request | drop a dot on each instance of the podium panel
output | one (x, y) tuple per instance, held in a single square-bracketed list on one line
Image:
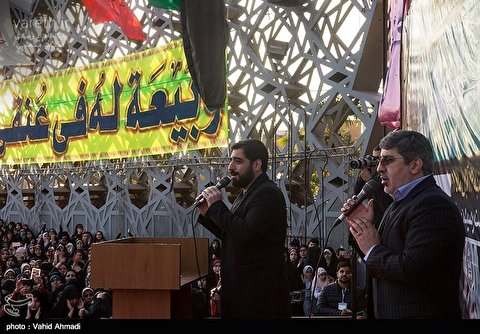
[(148, 276)]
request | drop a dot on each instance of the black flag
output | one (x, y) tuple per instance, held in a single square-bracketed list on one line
[(205, 38)]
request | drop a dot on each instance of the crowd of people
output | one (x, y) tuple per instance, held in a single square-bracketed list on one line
[(309, 271), (206, 290), (46, 275)]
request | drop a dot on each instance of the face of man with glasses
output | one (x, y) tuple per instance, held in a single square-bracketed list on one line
[(395, 171), (303, 252)]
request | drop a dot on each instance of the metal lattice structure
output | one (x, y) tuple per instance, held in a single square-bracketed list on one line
[(293, 68)]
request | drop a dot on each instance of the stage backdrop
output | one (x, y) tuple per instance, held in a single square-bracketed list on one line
[(141, 104), (442, 66)]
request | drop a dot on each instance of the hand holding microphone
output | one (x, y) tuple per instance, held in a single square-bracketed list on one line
[(372, 186), (360, 217), (220, 185)]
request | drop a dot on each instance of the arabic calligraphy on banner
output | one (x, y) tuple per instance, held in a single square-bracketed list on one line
[(141, 104)]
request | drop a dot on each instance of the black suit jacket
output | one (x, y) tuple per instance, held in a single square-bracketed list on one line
[(253, 272), (416, 268)]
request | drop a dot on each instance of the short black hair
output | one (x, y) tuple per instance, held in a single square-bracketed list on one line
[(253, 149), (410, 145), (344, 264), (295, 243)]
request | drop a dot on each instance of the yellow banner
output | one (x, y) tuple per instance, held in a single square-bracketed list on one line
[(141, 104)]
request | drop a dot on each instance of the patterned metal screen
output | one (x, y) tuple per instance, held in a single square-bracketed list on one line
[(292, 82)]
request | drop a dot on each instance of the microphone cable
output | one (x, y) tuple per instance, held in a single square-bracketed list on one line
[(195, 244)]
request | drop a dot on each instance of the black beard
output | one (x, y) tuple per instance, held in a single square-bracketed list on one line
[(244, 180)]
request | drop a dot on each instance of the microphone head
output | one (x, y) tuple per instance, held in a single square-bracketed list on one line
[(372, 186), (223, 182), (220, 185)]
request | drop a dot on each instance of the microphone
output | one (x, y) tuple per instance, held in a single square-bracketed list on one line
[(372, 186), (220, 185)]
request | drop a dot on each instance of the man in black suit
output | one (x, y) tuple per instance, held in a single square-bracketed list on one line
[(415, 256), (253, 233)]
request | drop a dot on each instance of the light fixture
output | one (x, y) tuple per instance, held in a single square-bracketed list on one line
[(277, 49), (293, 90)]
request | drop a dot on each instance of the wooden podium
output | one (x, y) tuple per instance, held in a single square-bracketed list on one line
[(149, 277)]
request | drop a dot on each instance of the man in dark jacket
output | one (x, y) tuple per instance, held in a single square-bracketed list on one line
[(336, 298), (415, 256), (253, 232)]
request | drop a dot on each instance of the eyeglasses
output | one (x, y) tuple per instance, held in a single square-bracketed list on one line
[(387, 160)]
